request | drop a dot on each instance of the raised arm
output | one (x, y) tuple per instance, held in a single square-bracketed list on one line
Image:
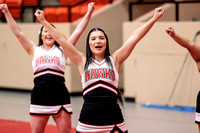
[(82, 25), (75, 56), (186, 43), (122, 54), (27, 44)]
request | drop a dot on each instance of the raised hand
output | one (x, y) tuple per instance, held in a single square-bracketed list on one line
[(91, 6), (3, 7), (170, 31), (158, 12), (40, 15)]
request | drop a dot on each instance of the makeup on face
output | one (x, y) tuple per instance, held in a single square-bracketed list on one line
[(97, 41)]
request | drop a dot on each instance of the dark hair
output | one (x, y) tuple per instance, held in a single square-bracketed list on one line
[(89, 55), (40, 40)]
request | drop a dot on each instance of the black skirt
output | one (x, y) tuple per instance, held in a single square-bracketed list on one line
[(102, 110), (50, 90)]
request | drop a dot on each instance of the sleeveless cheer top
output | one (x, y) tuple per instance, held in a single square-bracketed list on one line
[(50, 61), (100, 74)]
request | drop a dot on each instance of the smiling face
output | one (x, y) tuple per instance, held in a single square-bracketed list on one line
[(47, 38), (97, 43), (97, 46)]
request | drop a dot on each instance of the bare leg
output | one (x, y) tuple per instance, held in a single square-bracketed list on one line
[(63, 122), (38, 123)]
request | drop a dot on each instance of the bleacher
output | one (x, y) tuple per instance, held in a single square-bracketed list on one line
[(66, 11)]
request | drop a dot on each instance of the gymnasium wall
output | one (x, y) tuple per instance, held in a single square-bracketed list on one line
[(156, 64), (15, 67), (151, 70), (149, 73)]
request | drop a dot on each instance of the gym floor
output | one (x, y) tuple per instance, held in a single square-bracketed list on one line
[(15, 106)]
